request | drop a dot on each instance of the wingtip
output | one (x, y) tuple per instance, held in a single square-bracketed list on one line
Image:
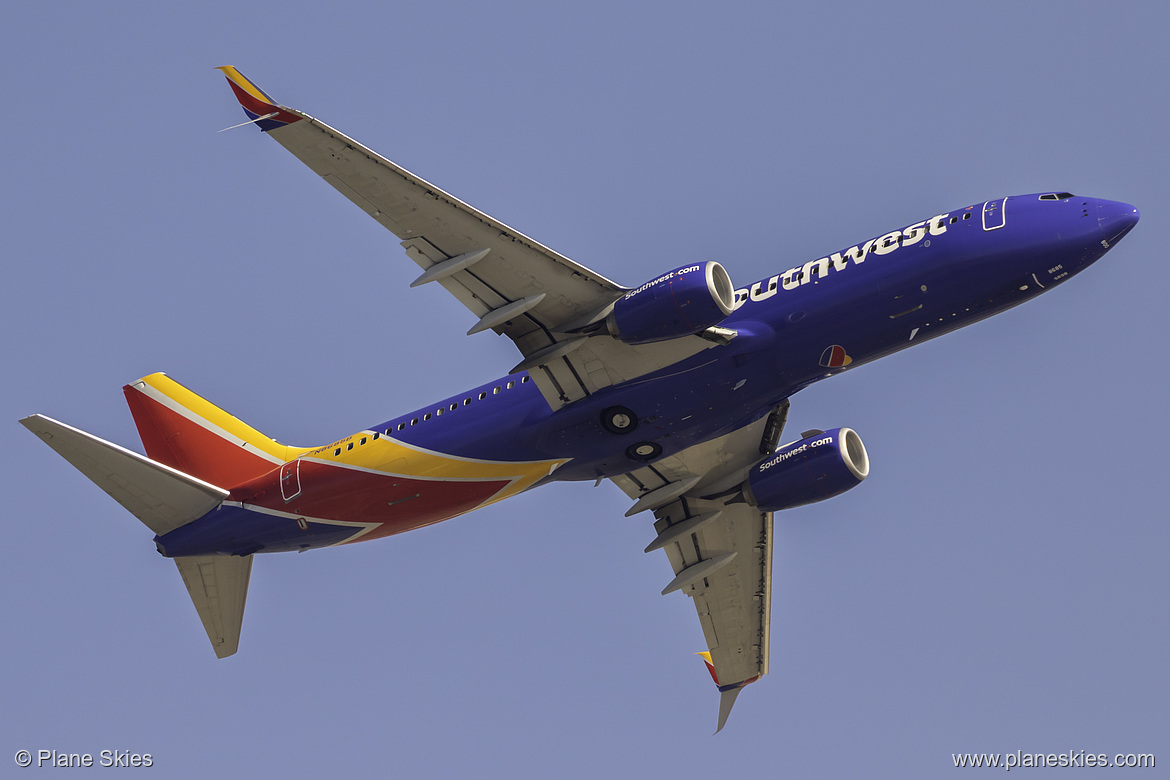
[(257, 104), (726, 702)]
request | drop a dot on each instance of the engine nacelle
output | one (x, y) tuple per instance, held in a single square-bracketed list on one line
[(808, 471), (684, 301)]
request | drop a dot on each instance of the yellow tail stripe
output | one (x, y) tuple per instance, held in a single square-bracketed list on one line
[(204, 409), (242, 82)]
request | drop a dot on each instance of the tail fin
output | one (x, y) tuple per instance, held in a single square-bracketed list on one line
[(191, 434), (164, 499)]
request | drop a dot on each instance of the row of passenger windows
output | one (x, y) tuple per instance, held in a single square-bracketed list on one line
[(437, 413)]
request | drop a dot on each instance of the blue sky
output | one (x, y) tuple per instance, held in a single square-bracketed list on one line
[(998, 584)]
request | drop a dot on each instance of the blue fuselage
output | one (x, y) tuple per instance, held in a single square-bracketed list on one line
[(799, 326)]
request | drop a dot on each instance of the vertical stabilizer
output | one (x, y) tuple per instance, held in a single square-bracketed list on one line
[(193, 435)]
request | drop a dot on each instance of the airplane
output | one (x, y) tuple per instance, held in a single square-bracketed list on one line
[(676, 390)]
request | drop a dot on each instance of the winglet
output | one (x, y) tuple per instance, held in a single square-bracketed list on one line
[(726, 702), (262, 110), (727, 693)]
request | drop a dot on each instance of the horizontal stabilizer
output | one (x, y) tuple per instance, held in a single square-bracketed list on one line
[(218, 585), (161, 497)]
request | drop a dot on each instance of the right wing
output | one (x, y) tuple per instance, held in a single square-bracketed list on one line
[(719, 546), (516, 286)]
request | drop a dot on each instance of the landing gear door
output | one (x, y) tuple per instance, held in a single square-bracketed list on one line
[(290, 480), (993, 214)]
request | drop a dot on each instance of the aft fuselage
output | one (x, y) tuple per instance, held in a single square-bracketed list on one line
[(802, 324)]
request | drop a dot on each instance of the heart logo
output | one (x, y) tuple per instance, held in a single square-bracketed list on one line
[(835, 357)]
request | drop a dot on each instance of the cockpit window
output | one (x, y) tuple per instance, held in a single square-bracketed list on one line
[(1057, 196)]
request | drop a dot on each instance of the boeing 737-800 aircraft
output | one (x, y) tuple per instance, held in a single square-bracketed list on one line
[(676, 390)]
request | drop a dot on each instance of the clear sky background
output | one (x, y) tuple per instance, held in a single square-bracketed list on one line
[(998, 584)]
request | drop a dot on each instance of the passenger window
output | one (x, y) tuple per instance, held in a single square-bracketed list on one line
[(439, 412), (511, 385), (467, 402), (525, 377), (376, 434), (363, 441), (482, 396), (414, 421), (495, 391), (454, 407), (337, 451), (967, 215), (426, 416), (349, 447)]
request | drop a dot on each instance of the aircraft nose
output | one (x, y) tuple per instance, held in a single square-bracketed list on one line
[(1116, 219)]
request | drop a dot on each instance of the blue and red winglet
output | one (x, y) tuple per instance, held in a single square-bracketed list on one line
[(261, 109)]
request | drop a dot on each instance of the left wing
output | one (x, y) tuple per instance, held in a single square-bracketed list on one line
[(515, 286), (719, 546)]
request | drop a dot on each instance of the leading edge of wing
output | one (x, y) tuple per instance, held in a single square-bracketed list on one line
[(269, 115)]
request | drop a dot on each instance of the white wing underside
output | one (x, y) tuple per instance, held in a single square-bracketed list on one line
[(723, 562), (543, 294)]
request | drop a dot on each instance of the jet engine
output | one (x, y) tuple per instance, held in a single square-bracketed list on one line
[(810, 470), (679, 303)]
